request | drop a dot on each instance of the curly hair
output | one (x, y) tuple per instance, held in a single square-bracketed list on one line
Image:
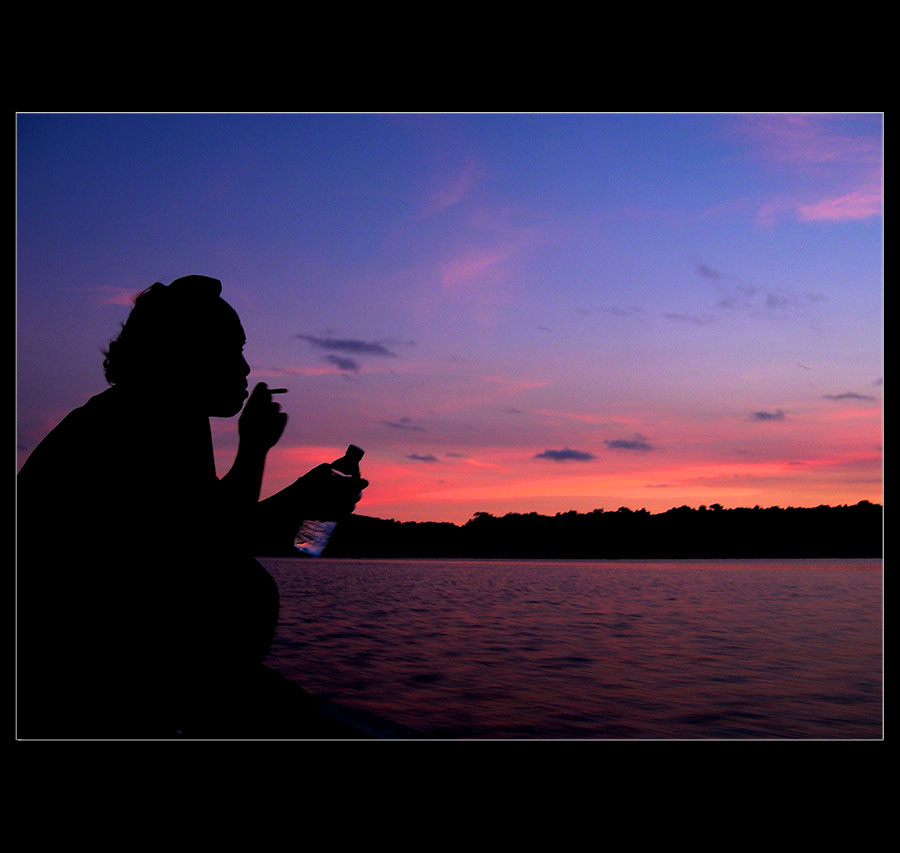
[(163, 318)]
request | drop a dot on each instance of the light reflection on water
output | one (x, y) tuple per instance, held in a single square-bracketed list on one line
[(501, 648)]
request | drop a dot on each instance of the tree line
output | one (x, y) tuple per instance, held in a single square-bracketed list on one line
[(680, 532)]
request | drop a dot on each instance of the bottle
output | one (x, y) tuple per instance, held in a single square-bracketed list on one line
[(313, 535)]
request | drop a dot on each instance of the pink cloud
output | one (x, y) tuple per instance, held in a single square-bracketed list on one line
[(473, 265), (813, 141), (453, 192), (262, 373), (860, 204), (840, 151)]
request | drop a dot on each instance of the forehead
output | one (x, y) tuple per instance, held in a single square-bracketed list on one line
[(223, 324)]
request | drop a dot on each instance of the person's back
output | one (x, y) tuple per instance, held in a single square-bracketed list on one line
[(123, 575), (78, 505)]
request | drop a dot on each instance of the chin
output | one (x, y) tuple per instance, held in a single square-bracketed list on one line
[(225, 413), (228, 408)]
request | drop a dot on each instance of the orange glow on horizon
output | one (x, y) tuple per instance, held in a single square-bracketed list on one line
[(499, 480)]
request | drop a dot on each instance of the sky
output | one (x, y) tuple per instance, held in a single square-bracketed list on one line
[(535, 312)]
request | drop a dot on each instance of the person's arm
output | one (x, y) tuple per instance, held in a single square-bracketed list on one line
[(259, 428), (317, 494)]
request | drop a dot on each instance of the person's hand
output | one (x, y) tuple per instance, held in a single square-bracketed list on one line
[(328, 496), (262, 422), (318, 494)]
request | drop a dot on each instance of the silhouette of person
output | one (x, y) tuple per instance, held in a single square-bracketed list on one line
[(141, 610)]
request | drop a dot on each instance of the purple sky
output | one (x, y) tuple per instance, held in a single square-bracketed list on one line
[(509, 312)]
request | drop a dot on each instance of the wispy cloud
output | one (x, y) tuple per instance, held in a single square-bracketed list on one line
[(841, 152), (454, 190), (849, 395), (639, 442), (693, 319), (736, 295), (473, 265), (351, 345), (263, 371), (565, 455), (777, 415), (708, 272), (404, 423), (859, 204), (422, 457), (811, 142), (618, 311), (342, 363)]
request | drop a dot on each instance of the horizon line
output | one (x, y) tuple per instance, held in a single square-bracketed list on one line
[(601, 510)]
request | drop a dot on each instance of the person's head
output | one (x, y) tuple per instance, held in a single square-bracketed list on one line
[(182, 333)]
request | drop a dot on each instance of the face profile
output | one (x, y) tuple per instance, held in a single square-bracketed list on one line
[(217, 368)]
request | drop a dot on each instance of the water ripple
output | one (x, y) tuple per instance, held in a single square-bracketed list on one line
[(506, 649)]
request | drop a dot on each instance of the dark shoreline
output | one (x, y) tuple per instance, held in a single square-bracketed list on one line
[(849, 531)]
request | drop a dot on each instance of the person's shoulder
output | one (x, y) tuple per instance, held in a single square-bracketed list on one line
[(72, 436), (86, 417)]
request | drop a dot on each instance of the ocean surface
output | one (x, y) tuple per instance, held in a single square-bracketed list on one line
[(503, 649)]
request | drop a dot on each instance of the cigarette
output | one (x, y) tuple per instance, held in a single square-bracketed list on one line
[(278, 390)]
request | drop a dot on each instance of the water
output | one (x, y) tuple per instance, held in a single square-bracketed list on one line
[(606, 650)]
